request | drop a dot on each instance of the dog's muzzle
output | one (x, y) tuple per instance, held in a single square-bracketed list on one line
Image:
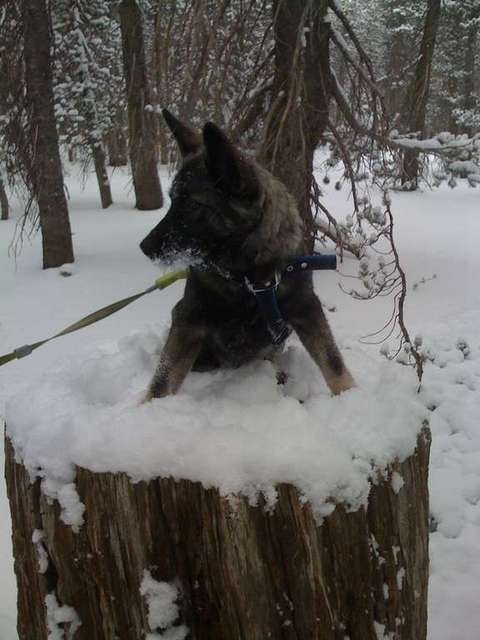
[(147, 248)]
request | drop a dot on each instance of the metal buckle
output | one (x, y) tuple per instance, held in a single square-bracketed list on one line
[(265, 286)]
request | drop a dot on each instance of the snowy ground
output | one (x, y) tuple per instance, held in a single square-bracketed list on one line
[(437, 233)]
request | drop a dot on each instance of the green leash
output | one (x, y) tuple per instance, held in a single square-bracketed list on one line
[(160, 283)]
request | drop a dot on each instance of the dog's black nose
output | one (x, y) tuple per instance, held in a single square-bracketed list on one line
[(147, 248)]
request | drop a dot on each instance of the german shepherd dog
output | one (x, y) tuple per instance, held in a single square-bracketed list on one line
[(240, 222)]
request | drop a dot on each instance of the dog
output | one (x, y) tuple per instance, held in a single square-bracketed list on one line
[(242, 225)]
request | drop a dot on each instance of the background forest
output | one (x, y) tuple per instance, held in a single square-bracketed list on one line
[(379, 81)]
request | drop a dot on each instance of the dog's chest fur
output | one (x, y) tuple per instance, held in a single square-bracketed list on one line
[(236, 330)]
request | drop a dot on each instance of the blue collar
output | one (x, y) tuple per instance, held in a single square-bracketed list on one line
[(266, 292)]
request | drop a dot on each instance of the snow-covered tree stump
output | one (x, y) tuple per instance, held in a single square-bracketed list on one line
[(177, 560)]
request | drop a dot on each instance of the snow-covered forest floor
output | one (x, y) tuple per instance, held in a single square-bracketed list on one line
[(437, 233)]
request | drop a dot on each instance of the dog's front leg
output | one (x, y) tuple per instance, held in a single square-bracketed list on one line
[(179, 353), (311, 326)]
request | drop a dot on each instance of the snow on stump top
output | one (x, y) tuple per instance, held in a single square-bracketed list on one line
[(236, 430), (240, 472)]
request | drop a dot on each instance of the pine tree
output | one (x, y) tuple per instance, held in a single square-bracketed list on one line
[(298, 114), (143, 154), (415, 106), (84, 54), (45, 166), (456, 81), (402, 23)]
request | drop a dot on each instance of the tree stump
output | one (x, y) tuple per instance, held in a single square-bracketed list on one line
[(239, 571)]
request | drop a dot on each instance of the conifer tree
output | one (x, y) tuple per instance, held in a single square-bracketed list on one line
[(45, 169), (85, 48), (143, 153)]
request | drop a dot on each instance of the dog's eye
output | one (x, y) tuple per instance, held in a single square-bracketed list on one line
[(176, 194), (177, 189), (205, 198)]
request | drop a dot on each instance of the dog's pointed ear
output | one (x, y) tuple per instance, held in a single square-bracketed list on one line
[(188, 140), (227, 166)]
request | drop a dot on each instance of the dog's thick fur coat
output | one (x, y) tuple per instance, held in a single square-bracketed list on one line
[(241, 221)]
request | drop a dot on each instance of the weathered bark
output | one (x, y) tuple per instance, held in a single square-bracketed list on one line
[(143, 155), (469, 98), (45, 169), (4, 209), (415, 107), (117, 147), (398, 51), (102, 176), (243, 571), (162, 44), (299, 113)]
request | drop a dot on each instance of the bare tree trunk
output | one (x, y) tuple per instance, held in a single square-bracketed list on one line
[(3, 201), (299, 112), (415, 107), (451, 91), (398, 56), (469, 75), (117, 147), (102, 176), (160, 68), (46, 169), (143, 154), (241, 571)]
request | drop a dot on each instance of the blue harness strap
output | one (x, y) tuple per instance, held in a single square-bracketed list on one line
[(266, 298), (266, 293), (313, 263)]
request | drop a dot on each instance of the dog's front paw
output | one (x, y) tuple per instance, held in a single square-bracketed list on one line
[(341, 383), (155, 392), (147, 397)]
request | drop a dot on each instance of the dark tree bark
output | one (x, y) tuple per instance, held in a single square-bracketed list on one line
[(469, 100), (3, 201), (242, 571), (103, 180), (415, 106), (301, 93), (143, 156), (46, 168), (399, 55), (117, 147), (161, 68)]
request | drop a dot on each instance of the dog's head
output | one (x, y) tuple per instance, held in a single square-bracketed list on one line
[(214, 199)]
